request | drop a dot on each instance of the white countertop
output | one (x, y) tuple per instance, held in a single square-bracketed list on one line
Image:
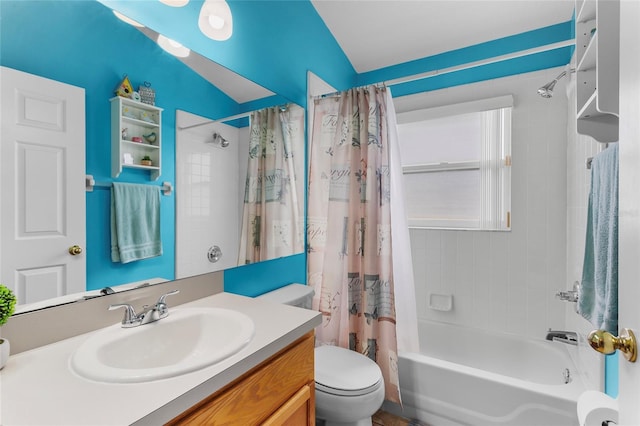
[(37, 387)]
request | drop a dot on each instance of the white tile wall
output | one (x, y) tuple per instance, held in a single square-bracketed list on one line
[(208, 195), (506, 281)]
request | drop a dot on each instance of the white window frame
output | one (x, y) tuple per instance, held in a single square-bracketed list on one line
[(494, 164)]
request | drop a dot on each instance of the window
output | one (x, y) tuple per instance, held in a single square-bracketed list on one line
[(456, 163)]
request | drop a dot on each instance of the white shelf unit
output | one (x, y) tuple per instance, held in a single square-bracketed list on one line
[(138, 119), (597, 68)]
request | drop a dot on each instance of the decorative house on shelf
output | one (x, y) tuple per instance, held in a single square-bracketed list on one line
[(124, 89)]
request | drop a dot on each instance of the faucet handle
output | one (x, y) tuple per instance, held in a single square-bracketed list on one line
[(130, 318), (162, 299), (161, 304)]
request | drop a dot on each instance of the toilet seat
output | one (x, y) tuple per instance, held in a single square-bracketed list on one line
[(340, 371)]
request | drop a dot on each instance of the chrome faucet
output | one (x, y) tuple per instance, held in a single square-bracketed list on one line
[(568, 337), (149, 314), (570, 295)]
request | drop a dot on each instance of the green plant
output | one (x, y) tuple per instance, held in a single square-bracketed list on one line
[(7, 304), (146, 158)]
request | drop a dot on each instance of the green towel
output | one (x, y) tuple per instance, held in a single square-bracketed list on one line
[(598, 301), (135, 222)]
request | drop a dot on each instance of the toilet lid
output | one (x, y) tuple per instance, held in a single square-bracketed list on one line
[(341, 371)]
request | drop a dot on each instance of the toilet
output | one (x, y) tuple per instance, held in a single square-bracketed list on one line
[(349, 386)]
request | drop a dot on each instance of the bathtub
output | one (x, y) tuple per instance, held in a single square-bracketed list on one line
[(466, 376)]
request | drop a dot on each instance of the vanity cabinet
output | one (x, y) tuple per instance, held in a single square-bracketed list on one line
[(280, 391), (136, 133), (597, 68)]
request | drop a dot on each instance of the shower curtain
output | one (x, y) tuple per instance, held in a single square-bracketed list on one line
[(273, 209), (349, 239)]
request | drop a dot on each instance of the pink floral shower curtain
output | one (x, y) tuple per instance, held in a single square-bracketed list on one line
[(273, 211), (349, 228)]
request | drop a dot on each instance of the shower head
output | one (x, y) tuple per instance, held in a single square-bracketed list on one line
[(546, 91), (219, 140)]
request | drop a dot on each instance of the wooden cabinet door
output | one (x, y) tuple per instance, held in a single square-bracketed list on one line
[(298, 411), (274, 391)]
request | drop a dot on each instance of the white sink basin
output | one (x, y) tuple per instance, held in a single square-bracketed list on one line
[(187, 340)]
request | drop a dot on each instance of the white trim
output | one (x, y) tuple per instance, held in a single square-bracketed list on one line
[(505, 101), (441, 167), (449, 227), (426, 223)]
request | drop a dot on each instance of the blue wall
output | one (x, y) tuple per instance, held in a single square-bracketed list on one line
[(274, 42), (611, 374), (82, 43)]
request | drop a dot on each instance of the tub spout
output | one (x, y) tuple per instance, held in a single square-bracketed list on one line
[(568, 337)]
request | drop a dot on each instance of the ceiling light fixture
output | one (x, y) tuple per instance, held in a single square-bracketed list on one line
[(173, 47), (127, 19), (175, 3), (215, 20)]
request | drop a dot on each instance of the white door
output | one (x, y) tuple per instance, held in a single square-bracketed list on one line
[(42, 213), (629, 209)]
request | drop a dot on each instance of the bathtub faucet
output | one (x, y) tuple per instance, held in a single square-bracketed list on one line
[(568, 337)]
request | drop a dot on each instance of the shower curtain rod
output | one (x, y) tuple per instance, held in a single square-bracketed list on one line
[(336, 93), (232, 117), (434, 73), (501, 58)]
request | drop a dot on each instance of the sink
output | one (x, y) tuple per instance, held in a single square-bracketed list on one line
[(187, 340)]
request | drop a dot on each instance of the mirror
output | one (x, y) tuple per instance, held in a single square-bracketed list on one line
[(85, 45), (216, 167)]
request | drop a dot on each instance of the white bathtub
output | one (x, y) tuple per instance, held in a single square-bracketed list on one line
[(465, 376)]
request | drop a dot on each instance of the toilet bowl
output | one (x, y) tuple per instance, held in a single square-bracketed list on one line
[(349, 386)]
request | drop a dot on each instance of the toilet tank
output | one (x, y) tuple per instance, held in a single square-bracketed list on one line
[(298, 295)]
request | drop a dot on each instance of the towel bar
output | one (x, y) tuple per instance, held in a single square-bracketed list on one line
[(90, 184)]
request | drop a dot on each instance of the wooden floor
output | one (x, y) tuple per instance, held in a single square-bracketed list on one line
[(382, 418)]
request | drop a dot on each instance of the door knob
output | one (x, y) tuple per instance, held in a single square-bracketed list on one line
[(606, 343), (75, 250)]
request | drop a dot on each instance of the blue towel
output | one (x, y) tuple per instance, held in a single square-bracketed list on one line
[(598, 300), (135, 222)]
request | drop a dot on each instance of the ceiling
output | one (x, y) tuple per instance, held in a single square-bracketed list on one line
[(376, 33)]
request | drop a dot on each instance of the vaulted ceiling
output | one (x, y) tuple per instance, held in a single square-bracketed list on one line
[(356, 42), (377, 34)]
